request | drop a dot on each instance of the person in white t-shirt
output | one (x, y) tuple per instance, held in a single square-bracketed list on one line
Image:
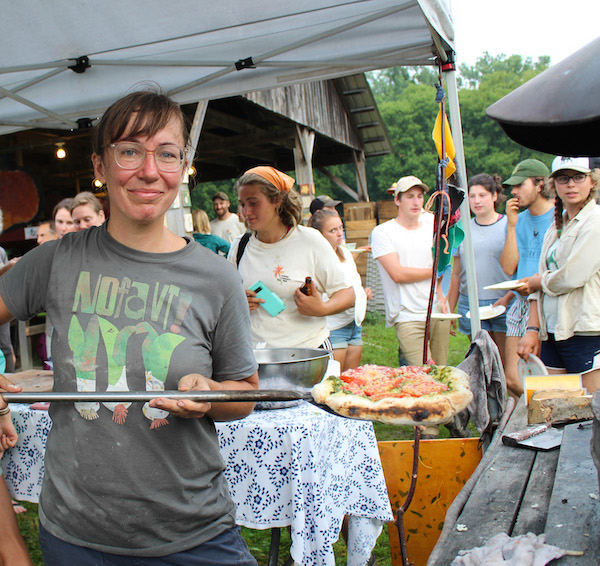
[(345, 328), (281, 254), (226, 225), (403, 250)]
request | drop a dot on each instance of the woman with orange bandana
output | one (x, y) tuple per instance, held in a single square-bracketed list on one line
[(281, 254)]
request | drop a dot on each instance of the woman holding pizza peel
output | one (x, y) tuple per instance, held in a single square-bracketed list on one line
[(280, 254), (124, 483), (565, 309)]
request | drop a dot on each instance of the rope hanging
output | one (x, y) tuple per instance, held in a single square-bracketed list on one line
[(439, 194), (443, 213)]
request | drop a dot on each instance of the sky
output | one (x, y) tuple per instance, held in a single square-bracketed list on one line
[(530, 28)]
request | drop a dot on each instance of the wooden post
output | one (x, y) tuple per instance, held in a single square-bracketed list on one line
[(303, 152), (179, 217), (361, 175)]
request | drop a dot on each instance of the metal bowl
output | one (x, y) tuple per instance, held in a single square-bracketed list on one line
[(291, 368)]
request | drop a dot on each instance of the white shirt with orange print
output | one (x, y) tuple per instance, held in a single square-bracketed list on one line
[(283, 267)]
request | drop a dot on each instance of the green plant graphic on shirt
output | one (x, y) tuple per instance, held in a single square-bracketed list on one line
[(110, 297), (84, 346), (157, 356)]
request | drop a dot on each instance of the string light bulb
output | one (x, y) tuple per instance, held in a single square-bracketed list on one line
[(191, 171), (60, 150)]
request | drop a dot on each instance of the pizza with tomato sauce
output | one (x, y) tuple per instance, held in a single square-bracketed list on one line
[(408, 395)]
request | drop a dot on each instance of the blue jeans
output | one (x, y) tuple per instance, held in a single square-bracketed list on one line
[(226, 549), (349, 335)]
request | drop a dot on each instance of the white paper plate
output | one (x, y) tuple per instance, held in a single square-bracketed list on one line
[(489, 312), (504, 286), (360, 306), (533, 366), (445, 315)]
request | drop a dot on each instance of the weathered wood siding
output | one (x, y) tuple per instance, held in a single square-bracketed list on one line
[(316, 105)]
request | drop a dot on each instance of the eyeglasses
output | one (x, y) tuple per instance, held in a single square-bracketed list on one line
[(564, 179), (131, 155)]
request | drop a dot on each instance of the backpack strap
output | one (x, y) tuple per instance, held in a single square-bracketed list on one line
[(242, 247)]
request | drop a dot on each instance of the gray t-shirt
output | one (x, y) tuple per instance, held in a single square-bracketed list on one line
[(488, 243), (5, 341), (131, 479)]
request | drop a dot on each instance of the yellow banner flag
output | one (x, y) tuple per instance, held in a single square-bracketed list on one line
[(449, 142)]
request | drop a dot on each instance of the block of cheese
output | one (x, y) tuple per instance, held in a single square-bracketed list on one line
[(557, 405)]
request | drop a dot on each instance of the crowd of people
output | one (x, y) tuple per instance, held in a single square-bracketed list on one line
[(544, 242), (102, 288)]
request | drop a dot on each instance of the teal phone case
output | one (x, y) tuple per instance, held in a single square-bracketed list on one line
[(273, 304)]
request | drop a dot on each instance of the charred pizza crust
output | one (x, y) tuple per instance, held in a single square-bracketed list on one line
[(432, 409)]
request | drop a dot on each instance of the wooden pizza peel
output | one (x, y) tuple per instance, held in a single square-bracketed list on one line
[(33, 380)]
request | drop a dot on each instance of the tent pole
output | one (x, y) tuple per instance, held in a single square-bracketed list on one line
[(456, 127), (180, 211)]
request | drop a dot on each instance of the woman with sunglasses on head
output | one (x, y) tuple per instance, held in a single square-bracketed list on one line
[(136, 307), (281, 254), (345, 331), (565, 309)]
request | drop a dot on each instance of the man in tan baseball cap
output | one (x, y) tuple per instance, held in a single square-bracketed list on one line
[(405, 183), (403, 250)]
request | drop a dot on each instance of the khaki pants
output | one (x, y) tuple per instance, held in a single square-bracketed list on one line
[(411, 334)]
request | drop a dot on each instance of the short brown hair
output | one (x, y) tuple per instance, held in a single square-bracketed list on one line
[(64, 203), (152, 110), (85, 197)]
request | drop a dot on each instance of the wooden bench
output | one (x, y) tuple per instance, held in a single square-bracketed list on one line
[(521, 491)]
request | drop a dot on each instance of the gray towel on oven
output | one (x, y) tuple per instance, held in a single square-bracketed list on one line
[(483, 365)]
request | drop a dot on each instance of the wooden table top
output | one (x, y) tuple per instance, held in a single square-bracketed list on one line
[(522, 490), (33, 380)]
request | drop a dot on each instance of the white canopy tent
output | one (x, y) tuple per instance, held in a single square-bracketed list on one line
[(194, 49), (64, 62)]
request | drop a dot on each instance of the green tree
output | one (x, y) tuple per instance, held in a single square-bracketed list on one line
[(487, 147), (202, 195), (409, 120), (409, 111), (389, 84), (513, 68)]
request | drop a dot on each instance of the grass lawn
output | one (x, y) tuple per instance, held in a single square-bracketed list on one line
[(380, 347)]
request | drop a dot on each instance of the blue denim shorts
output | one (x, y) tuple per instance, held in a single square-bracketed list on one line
[(349, 335), (228, 548), (578, 354), (497, 324)]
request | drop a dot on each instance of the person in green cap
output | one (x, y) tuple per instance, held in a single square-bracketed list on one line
[(520, 257)]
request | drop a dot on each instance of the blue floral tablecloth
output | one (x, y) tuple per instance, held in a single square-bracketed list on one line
[(299, 467)]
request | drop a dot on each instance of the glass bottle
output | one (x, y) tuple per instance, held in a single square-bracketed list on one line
[(306, 288)]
